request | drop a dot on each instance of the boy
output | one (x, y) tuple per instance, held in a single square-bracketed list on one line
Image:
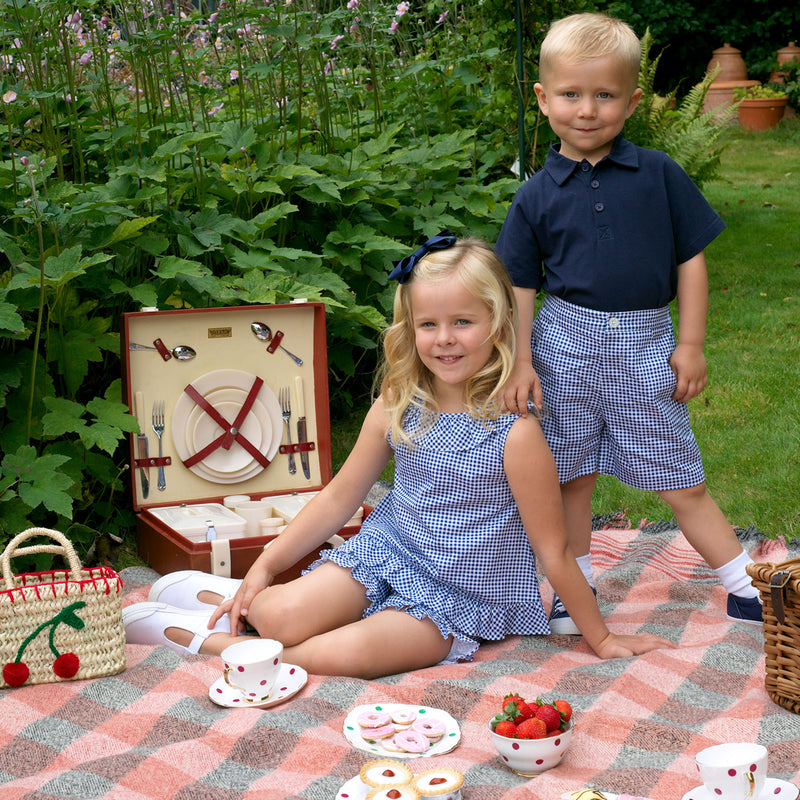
[(612, 233)]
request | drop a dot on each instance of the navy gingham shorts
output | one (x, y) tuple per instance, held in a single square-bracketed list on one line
[(608, 390)]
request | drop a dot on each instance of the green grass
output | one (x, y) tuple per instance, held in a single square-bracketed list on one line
[(747, 421)]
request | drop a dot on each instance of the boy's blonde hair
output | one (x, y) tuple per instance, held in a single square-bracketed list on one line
[(404, 381), (583, 36)]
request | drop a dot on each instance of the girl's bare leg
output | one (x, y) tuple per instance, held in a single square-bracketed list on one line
[(318, 618), (326, 598), (385, 643)]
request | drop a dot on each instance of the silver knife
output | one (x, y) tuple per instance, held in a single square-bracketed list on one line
[(302, 434), (142, 445)]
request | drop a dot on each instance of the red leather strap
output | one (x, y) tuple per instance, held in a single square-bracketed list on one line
[(230, 431)]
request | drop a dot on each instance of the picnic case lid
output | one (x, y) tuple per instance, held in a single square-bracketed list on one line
[(223, 429)]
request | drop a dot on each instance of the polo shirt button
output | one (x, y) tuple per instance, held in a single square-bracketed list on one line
[(595, 184), (613, 322), (598, 206), (585, 166)]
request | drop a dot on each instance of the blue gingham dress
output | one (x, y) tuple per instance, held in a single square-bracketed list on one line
[(447, 541)]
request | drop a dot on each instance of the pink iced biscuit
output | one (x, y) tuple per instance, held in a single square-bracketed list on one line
[(403, 718), (383, 732), (391, 746), (431, 727), (412, 741), (374, 719)]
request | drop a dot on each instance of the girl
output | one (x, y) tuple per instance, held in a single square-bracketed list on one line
[(444, 560)]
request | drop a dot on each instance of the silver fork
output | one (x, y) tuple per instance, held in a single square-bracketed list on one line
[(284, 398), (158, 427)]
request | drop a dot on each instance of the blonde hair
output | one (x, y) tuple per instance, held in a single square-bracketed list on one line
[(405, 382), (580, 37)]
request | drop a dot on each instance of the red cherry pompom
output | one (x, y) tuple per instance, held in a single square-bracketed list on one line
[(16, 673), (66, 665)]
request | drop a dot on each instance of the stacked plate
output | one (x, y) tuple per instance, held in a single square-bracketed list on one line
[(193, 429)]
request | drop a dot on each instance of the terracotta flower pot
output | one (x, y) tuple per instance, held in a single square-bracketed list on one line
[(761, 113)]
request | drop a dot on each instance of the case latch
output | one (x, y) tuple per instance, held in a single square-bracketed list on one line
[(777, 585)]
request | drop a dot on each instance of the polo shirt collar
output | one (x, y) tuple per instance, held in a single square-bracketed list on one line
[(560, 168)]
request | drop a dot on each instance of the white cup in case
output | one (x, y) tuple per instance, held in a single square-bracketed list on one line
[(733, 771), (232, 500), (252, 666), (253, 512)]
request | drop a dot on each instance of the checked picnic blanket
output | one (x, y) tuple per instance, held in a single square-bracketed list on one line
[(151, 732)]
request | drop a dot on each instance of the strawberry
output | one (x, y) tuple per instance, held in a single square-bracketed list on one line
[(550, 715), (512, 698), (565, 709), (506, 728), (532, 728), (518, 710)]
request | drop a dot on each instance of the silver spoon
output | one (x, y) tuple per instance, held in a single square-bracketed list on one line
[(264, 333), (182, 352)]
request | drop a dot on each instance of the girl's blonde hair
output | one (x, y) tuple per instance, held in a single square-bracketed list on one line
[(404, 381), (580, 37)]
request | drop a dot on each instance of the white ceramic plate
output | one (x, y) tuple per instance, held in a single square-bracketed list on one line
[(354, 789), (352, 730), (205, 430), (291, 680), (773, 788), (266, 411), (257, 424), (257, 417)]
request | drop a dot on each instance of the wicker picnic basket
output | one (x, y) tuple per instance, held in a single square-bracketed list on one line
[(779, 585), (58, 625)]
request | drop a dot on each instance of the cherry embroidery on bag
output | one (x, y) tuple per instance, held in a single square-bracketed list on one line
[(66, 665)]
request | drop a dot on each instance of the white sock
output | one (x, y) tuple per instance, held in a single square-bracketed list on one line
[(734, 577), (585, 563)]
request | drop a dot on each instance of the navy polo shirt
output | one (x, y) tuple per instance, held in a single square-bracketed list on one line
[(610, 236)]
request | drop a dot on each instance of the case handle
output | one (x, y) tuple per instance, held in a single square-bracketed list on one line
[(63, 548)]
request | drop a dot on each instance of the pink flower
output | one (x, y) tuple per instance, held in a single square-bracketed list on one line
[(442, 17), (214, 110), (10, 96), (234, 75), (329, 68), (335, 41), (351, 4), (394, 26), (85, 58), (402, 8)]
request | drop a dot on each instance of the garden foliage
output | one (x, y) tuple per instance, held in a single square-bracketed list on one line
[(249, 152)]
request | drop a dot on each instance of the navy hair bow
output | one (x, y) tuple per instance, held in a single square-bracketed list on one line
[(402, 269)]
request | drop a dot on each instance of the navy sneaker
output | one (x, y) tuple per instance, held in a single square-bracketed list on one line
[(560, 621), (745, 609)]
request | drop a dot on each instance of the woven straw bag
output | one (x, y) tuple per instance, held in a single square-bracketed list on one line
[(779, 585), (58, 625)]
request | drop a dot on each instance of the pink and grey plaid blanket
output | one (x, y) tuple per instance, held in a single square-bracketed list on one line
[(151, 732)]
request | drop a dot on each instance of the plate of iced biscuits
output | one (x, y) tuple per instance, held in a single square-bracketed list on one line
[(387, 779), (399, 730)]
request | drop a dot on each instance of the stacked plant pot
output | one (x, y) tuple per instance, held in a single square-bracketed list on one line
[(733, 74)]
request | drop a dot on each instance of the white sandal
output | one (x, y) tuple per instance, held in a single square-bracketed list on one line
[(145, 623), (180, 589)]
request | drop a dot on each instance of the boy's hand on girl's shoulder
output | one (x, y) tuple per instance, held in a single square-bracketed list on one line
[(688, 362), (523, 384)]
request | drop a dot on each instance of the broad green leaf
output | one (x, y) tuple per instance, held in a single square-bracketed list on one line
[(127, 229), (63, 416), (172, 267), (10, 320), (182, 143), (40, 481)]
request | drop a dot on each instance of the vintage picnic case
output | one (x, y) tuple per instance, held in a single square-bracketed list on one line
[(219, 378)]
